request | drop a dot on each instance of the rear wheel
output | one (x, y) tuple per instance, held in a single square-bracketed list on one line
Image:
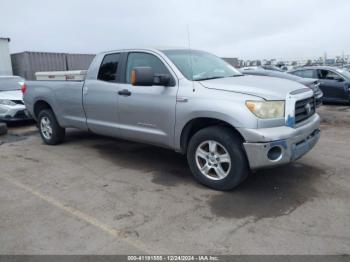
[(217, 159), (50, 130), (3, 129)]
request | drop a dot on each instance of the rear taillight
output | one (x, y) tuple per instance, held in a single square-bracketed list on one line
[(24, 88)]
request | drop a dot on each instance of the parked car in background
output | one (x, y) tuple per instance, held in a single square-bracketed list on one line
[(272, 68), (311, 83), (186, 100), (334, 82), (12, 107), (266, 67), (346, 67)]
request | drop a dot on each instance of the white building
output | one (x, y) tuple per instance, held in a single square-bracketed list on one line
[(5, 59)]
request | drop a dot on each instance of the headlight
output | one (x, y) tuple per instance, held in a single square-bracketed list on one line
[(266, 109), (7, 102)]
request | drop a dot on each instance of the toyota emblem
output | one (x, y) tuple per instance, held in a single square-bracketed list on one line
[(308, 108)]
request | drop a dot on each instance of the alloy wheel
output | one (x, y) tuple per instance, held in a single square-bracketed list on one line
[(213, 160), (45, 127)]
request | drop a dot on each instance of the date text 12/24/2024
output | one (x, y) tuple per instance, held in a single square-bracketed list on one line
[(173, 258)]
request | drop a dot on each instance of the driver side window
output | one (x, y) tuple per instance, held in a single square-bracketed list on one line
[(328, 75), (138, 59)]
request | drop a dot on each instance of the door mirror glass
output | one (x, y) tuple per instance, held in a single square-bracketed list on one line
[(162, 80)]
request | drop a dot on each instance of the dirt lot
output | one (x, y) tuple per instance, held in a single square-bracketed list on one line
[(96, 195)]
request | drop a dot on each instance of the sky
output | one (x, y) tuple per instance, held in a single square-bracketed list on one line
[(248, 29)]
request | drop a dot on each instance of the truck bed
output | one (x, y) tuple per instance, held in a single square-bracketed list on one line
[(58, 93)]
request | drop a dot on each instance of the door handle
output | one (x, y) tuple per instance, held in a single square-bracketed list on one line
[(124, 92)]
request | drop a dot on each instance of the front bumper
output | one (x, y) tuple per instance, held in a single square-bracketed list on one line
[(14, 113), (268, 147)]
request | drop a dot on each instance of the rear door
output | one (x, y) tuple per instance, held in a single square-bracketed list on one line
[(332, 85), (100, 97), (147, 113)]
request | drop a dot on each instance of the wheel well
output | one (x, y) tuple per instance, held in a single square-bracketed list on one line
[(39, 106), (197, 124)]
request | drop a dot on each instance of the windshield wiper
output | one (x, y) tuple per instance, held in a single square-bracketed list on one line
[(209, 78), (216, 77), (236, 75)]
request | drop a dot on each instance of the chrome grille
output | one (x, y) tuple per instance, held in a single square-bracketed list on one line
[(304, 109), (18, 102)]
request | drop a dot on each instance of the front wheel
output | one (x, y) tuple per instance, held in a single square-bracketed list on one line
[(217, 159), (50, 130)]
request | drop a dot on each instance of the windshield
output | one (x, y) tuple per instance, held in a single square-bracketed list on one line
[(198, 65), (10, 83), (344, 73)]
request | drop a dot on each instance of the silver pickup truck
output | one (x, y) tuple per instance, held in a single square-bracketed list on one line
[(190, 101)]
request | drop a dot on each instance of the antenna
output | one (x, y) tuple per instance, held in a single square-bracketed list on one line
[(190, 53)]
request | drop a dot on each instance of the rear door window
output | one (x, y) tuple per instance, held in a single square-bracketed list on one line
[(308, 73), (109, 68)]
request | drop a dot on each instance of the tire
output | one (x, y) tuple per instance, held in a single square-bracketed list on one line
[(229, 147), (50, 130), (3, 129)]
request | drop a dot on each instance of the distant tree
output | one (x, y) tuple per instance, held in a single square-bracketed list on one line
[(309, 62), (280, 64)]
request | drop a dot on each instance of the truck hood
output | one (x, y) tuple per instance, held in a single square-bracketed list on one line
[(269, 88), (11, 95)]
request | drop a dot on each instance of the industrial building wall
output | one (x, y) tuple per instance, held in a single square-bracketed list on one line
[(5, 60), (26, 64), (79, 61)]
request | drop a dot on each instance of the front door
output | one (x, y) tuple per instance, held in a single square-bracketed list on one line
[(100, 97), (332, 85), (147, 113)]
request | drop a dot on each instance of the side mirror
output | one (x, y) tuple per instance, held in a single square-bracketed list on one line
[(339, 79), (142, 76)]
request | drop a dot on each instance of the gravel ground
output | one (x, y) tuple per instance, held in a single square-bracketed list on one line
[(96, 195)]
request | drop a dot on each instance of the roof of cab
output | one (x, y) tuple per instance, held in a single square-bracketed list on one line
[(154, 49)]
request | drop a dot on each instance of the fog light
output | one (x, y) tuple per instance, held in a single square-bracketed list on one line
[(275, 153)]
